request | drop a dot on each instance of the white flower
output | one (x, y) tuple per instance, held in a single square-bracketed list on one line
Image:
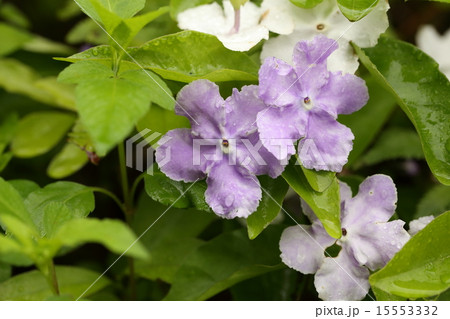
[(417, 225), (327, 19), (238, 30), (436, 46)]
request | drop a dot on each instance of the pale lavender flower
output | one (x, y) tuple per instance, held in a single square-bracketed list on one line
[(368, 241), (304, 101), (222, 145)]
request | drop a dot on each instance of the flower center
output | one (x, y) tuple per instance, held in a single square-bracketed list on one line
[(307, 103), (320, 26), (225, 146), (344, 232)]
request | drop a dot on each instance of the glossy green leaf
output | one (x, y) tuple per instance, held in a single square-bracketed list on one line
[(168, 250), (187, 56), (85, 71), (113, 234), (39, 132), (273, 193), (123, 8), (11, 204), (224, 261), (367, 122), (392, 144), (355, 10), (326, 205), (177, 6), (178, 194), (423, 93), (101, 53), (422, 268), (109, 109), (12, 39), (32, 285), (306, 3), (67, 162), (384, 296), (157, 88), (77, 198), (319, 180), (434, 202)]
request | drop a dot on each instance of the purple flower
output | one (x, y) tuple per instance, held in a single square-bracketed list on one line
[(304, 101), (368, 241), (223, 145)]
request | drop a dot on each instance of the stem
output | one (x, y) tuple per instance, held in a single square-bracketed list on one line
[(52, 279), (135, 185), (128, 213), (111, 195)]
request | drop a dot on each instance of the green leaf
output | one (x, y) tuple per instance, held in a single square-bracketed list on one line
[(355, 10), (187, 56), (434, 202), (62, 95), (32, 285), (8, 127), (12, 39), (162, 121), (384, 296), (24, 187), (308, 4), (12, 253), (422, 92), (42, 45), (39, 132), (78, 199), (109, 109), (113, 234), (11, 204), (224, 261), (367, 122), (177, 6), (5, 272), (392, 144), (168, 250), (4, 160), (160, 92), (319, 180), (422, 268), (12, 14), (101, 53), (274, 191), (85, 71), (123, 8), (67, 162), (178, 194), (326, 205)]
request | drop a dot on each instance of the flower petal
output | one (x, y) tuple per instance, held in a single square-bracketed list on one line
[(252, 155), (343, 94), (279, 128), (417, 225), (341, 278), (375, 202), (242, 107), (201, 103), (245, 39), (278, 83), (232, 191), (208, 18), (374, 244), (175, 156), (277, 16), (327, 143), (303, 246), (315, 52)]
